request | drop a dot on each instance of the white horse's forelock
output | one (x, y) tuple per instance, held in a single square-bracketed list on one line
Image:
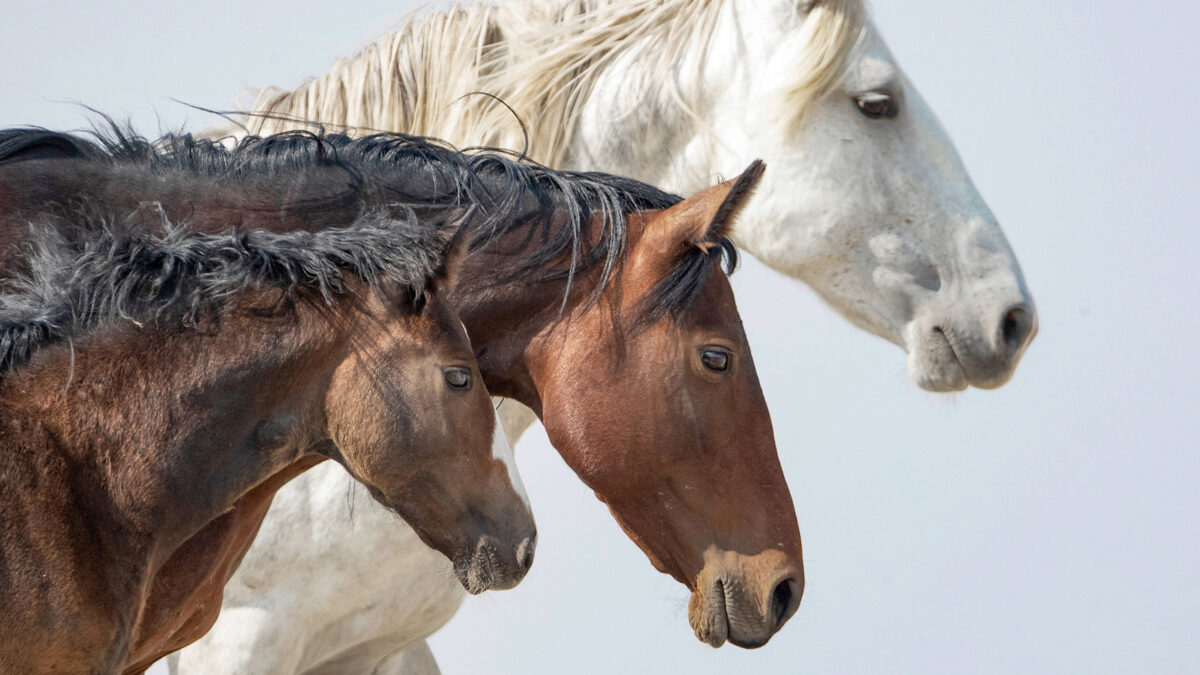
[(542, 59), (831, 31)]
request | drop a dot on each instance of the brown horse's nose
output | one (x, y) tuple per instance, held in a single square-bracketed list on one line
[(745, 599), (1017, 328)]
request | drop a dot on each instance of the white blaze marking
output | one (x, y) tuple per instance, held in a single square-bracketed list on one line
[(502, 451)]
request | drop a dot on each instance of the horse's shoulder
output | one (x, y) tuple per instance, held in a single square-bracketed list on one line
[(23, 434), (42, 537), (33, 471)]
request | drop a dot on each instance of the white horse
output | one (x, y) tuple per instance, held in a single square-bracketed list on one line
[(866, 200)]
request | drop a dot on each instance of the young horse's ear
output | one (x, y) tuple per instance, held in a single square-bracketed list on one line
[(453, 255), (707, 217)]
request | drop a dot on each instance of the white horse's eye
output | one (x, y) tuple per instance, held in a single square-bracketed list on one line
[(877, 106)]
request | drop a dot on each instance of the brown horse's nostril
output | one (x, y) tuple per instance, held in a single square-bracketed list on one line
[(1016, 326), (784, 600)]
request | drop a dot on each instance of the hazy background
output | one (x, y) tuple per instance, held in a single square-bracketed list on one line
[(1045, 527)]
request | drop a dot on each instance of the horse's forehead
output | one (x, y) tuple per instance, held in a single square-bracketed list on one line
[(714, 307), (872, 67), (712, 312)]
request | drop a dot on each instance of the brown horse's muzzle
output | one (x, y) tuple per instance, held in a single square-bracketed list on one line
[(744, 599)]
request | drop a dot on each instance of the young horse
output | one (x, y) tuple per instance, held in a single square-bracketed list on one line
[(620, 331), (132, 485), (867, 200)]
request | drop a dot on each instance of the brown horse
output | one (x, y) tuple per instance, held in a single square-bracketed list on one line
[(595, 300), (159, 386)]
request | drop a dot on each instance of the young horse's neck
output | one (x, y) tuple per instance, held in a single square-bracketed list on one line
[(167, 428)]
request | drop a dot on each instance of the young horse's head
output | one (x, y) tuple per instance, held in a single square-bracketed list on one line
[(338, 341), (650, 394), (410, 381)]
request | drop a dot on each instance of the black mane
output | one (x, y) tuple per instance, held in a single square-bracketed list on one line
[(386, 171), (82, 277), (391, 168)]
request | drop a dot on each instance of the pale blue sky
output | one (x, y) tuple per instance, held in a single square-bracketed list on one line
[(1044, 527)]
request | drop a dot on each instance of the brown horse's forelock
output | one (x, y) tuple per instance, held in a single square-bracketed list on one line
[(83, 276), (396, 170), (674, 294)]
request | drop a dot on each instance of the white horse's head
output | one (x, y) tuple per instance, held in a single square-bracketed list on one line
[(865, 198)]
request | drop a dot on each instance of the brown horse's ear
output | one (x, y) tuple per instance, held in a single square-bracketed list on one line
[(454, 253), (739, 192), (707, 217)]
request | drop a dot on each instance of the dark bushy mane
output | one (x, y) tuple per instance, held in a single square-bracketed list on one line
[(388, 168), (83, 276)]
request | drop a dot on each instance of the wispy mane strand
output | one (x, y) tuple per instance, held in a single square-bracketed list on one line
[(541, 59)]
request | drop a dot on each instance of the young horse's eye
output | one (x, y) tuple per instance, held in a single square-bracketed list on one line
[(877, 105), (458, 378), (715, 359)]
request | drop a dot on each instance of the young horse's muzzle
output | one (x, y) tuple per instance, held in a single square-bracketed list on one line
[(494, 564)]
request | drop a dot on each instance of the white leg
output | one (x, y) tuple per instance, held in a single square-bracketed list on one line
[(246, 641)]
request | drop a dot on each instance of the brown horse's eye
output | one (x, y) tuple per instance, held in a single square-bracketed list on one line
[(458, 378), (877, 106), (715, 359)]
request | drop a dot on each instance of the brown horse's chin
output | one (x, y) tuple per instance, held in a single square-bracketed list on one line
[(744, 599)]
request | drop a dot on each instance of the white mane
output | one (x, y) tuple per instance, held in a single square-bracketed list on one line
[(542, 59)]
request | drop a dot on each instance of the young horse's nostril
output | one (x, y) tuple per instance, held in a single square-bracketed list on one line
[(525, 553)]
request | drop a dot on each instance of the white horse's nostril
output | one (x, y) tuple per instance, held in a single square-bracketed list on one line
[(1016, 327)]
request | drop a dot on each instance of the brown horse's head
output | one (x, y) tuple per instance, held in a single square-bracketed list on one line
[(673, 432), (411, 381)]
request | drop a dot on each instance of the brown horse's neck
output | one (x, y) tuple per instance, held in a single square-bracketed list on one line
[(512, 320), (159, 464)]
